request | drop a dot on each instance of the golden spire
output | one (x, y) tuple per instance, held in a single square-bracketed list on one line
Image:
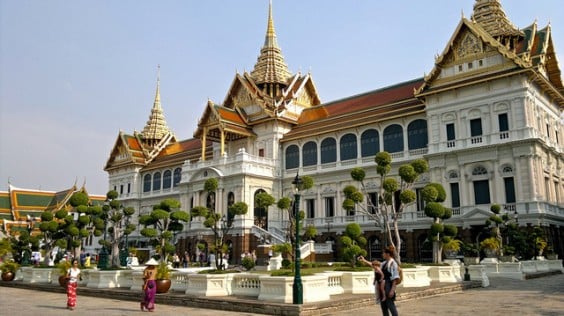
[(490, 15), (156, 127), (270, 67)]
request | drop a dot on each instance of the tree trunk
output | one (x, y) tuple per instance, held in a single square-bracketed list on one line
[(437, 252), (398, 242)]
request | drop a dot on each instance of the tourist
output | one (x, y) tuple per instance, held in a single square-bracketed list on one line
[(82, 258), (176, 261), (87, 260), (378, 279), (149, 285), (211, 260), (186, 261), (73, 275), (391, 276)]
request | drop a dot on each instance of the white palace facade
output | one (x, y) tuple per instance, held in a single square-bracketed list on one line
[(487, 118)]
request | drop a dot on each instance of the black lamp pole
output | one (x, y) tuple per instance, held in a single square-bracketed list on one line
[(103, 256), (298, 295)]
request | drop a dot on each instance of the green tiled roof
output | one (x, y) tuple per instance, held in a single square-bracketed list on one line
[(4, 202), (30, 199)]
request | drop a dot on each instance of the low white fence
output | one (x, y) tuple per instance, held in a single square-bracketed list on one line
[(318, 287)]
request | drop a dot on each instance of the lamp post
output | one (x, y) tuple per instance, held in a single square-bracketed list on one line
[(103, 256), (26, 257), (298, 295)]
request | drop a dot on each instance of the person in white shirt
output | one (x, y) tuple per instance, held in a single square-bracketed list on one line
[(73, 275)]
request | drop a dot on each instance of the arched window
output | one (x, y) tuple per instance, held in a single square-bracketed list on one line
[(147, 183), (157, 181), (292, 157), (210, 201), (260, 213), (369, 143), (479, 171), (375, 248), (309, 154), (393, 139), (481, 185), (417, 134), (167, 179), (230, 201), (328, 150), (177, 176), (348, 147)]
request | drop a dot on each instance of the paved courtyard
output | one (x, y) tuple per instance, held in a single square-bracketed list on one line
[(541, 296)]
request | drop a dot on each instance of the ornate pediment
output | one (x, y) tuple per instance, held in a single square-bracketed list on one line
[(304, 98), (242, 98), (469, 45), (121, 153)]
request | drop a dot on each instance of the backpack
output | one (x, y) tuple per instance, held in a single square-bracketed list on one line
[(400, 273)]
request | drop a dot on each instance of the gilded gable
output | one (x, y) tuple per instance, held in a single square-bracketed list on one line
[(121, 154), (469, 46), (242, 98)]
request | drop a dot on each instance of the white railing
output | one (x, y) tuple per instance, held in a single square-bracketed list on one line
[(306, 249), (260, 232), (246, 284)]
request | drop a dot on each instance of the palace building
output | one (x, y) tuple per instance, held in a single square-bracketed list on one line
[(487, 118)]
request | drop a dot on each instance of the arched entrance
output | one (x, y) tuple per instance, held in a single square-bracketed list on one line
[(425, 248), (375, 252), (260, 213)]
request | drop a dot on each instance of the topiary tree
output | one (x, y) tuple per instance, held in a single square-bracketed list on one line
[(52, 233), (310, 232), (86, 220), (393, 195), (118, 225), (353, 243), (220, 227), (160, 226), (440, 234), (263, 201), (501, 226), (286, 204)]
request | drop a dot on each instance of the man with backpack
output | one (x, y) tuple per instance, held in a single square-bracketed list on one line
[(391, 278)]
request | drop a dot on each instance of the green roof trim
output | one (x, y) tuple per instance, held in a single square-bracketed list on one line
[(6, 216)]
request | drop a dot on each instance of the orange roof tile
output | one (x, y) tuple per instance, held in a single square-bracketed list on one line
[(229, 115)]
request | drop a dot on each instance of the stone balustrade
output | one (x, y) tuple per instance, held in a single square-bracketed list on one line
[(316, 288)]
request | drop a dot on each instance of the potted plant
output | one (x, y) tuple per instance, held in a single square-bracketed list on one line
[(490, 246), (163, 277), (63, 268), (471, 253), (451, 247), (9, 270), (540, 244), (508, 254)]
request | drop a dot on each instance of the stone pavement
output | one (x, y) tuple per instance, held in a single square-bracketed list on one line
[(19, 301), (538, 296)]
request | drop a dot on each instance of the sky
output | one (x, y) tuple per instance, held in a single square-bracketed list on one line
[(75, 73)]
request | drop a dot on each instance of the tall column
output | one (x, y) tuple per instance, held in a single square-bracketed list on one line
[(204, 136), (222, 151)]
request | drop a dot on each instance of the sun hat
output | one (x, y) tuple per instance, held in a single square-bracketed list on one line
[(152, 262)]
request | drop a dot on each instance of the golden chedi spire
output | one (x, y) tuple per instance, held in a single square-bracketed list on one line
[(156, 127), (490, 15), (270, 67)]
